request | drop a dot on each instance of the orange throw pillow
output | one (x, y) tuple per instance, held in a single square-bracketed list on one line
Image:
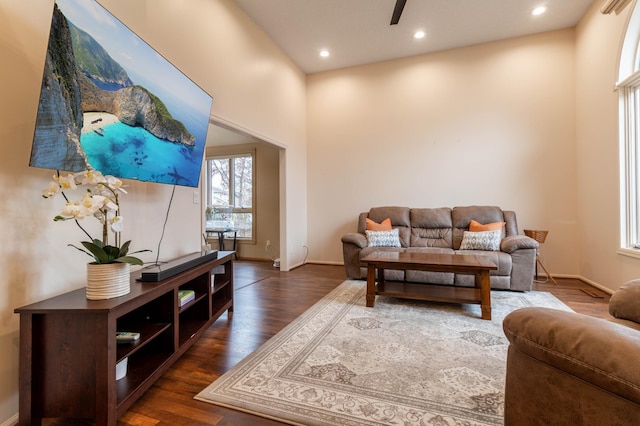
[(478, 227), (385, 225)]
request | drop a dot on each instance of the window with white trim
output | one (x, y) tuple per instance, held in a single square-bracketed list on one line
[(629, 125), (629, 158), (230, 193)]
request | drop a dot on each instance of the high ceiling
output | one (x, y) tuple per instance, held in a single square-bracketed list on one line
[(357, 32)]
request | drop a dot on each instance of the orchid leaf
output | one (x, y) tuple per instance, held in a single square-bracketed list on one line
[(112, 252), (124, 248), (97, 251), (129, 259)]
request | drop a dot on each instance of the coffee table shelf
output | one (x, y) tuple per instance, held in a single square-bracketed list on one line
[(432, 292)]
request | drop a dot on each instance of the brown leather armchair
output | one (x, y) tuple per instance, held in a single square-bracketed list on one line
[(565, 368)]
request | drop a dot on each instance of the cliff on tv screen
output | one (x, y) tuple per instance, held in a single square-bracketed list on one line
[(112, 103)]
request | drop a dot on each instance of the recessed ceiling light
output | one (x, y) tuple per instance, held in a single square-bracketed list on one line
[(324, 53), (539, 10), (419, 34)]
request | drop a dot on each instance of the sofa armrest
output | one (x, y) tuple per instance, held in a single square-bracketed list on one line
[(591, 349), (356, 239), (352, 244), (625, 302), (516, 242)]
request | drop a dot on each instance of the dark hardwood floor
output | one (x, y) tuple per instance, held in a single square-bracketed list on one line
[(266, 300)]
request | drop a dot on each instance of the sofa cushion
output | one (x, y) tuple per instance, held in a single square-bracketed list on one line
[(368, 250), (372, 225), (383, 238), (503, 261), (431, 227), (485, 240)]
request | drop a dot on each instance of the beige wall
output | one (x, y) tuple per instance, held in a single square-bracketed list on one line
[(255, 86), (267, 208), (490, 124), (599, 40)]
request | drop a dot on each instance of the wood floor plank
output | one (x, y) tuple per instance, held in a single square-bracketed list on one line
[(266, 300)]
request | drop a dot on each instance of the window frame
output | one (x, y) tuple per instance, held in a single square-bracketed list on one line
[(629, 124), (229, 156), (628, 88)]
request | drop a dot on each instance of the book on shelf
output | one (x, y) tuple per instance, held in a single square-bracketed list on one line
[(186, 296), (127, 336)]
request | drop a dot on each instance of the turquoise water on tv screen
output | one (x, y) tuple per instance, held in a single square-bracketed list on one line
[(134, 153)]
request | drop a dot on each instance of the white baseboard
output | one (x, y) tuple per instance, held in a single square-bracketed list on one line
[(586, 280), (325, 262)]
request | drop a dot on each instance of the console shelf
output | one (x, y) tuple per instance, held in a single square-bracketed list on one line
[(68, 348)]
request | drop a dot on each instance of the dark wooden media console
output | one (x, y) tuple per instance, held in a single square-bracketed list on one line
[(68, 348)]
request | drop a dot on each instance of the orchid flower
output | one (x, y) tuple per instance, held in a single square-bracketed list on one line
[(66, 182), (51, 190), (72, 211), (115, 221), (100, 201)]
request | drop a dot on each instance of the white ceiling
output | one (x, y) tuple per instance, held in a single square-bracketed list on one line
[(357, 32)]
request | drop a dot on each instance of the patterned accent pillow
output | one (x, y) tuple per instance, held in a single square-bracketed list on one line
[(485, 240), (383, 238)]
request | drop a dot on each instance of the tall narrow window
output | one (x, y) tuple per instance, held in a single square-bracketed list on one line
[(230, 195), (629, 119)]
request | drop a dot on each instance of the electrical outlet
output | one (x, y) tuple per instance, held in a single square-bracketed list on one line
[(196, 197), (268, 243)]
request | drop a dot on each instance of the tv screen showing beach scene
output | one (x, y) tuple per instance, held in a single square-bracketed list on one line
[(110, 102)]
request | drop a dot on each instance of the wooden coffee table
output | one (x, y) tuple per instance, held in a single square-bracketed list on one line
[(460, 263)]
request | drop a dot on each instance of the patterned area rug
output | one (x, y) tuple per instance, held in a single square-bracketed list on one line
[(402, 362)]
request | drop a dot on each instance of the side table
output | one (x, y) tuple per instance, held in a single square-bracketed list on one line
[(220, 234)]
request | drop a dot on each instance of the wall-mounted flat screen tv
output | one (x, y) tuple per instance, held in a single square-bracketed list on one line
[(112, 103)]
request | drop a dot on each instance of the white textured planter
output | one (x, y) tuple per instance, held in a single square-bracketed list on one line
[(108, 280)]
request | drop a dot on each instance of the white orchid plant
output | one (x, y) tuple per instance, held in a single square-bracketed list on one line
[(100, 200)]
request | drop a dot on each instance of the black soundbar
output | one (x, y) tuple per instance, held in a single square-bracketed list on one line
[(156, 273)]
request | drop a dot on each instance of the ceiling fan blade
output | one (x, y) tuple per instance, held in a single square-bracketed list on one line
[(397, 11)]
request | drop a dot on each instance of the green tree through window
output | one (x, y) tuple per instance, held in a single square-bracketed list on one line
[(230, 192)]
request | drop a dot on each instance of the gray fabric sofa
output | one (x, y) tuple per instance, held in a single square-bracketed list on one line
[(440, 230)]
